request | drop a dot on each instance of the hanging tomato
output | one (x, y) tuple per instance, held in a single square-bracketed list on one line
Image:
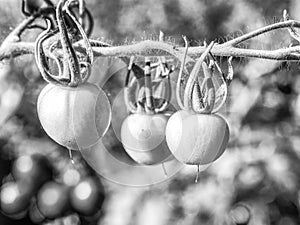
[(143, 132), (74, 117), (197, 139), (143, 137), (195, 135), (73, 113)]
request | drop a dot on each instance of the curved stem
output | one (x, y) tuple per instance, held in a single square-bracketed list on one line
[(130, 88), (197, 98), (88, 48), (148, 87), (219, 81), (167, 95), (41, 59), (279, 25), (71, 64), (130, 95), (209, 88), (164, 86), (187, 99), (229, 76), (179, 79)]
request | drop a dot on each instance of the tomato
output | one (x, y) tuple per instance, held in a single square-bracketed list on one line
[(143, 138), (15, 198), (34, 170), (75, 117), (87, 196), (240, 214), (71, 177), (52, 200), (196, 139)]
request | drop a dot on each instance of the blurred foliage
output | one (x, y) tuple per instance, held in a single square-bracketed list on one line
[(259, 169)]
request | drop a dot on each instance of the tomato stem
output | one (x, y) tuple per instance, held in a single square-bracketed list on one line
[(188, 92), (71, 156), (164, 169), (40, 58), (164, 85), (72, 72), (71, 63), (148, 87), (198, 172), (179, 79)]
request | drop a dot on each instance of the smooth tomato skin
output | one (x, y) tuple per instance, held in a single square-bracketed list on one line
[(197, 139), (14, 198), (53, 200), (34, 170), (74, 117), (87, 196), (143, 138)]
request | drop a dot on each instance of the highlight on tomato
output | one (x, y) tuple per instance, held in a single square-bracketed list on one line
[(143, 138)]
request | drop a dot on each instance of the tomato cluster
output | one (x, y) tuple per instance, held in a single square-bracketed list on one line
[(76, 114), (193, 135), (34, 190), (77, 117)]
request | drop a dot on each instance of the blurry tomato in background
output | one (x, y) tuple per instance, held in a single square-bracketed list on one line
[(34, 170), (87, 196), (15, 198), (52, 200)]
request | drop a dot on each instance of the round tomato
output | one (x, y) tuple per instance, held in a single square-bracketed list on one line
[(52, 200), (34, 170), (87, 196), (75, 117), (196, 139), (15, 198), (143, 138), (240, 214)]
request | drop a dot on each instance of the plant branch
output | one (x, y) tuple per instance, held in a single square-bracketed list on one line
[(158, 48)]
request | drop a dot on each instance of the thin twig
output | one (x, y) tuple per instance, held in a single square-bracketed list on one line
[(275, 26)]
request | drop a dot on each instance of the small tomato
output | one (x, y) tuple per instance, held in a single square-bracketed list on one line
[(196, 139), (75, 117), (15, 198), (143, 138), (87, 196), (52, 200), (34, 170)]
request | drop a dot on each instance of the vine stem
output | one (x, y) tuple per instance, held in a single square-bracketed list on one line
[(157, 48)]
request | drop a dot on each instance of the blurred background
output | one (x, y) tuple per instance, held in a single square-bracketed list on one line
[(256, 181)]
